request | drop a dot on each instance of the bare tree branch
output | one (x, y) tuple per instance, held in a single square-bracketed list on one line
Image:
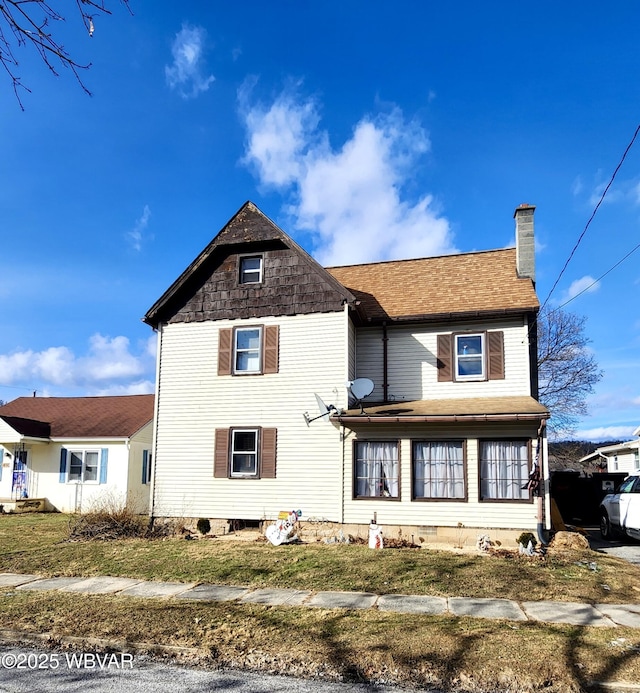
[(567, 370), (27, 23)]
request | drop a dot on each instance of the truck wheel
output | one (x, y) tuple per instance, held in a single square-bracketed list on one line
[(606, 532)]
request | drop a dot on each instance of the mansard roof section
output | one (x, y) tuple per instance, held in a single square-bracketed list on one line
[(458, 286), (292, 282)]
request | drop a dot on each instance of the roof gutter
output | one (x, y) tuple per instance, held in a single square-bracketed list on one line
[(437, 418)]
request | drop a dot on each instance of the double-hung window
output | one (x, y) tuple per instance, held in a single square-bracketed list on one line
[(504, 470), (250, 269), (244, 452), (376, 470), (83, 465), (438, 470), (248, 348), (470, 356)]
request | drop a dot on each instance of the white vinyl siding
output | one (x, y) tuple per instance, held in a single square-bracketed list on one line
[(193, 401), (412, 362)]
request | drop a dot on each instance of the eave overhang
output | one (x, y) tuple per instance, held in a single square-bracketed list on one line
[(477, 410)]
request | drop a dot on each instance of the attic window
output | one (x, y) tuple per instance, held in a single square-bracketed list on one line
[(251, 269)]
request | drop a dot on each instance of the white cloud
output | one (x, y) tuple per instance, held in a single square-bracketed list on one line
[(108, 359), (137, 234), (586, 284), (603, 433), (351, 199), (139, 387), (108, 364), (187, 72)]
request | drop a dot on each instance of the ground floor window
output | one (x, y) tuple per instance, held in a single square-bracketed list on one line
[(438, 469), (83, 465), (376, 469), (244, 452), (504, 470)]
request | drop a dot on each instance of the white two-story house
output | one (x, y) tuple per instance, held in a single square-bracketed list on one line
[(257, 340)]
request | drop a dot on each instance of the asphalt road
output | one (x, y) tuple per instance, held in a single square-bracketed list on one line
[(38, 671)]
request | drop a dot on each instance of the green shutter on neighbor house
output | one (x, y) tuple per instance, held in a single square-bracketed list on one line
[(63, 465), (104, 459), (145, 463)]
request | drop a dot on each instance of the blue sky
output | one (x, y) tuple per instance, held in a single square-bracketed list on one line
[(367, 130)]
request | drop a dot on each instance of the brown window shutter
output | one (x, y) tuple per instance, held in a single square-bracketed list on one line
[(268, 453), (495, 341), (445, 358), (221, 454), (271, 345), (225, 351)]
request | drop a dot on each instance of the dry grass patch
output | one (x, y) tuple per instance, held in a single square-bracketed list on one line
[(371, 646), (37, 544)]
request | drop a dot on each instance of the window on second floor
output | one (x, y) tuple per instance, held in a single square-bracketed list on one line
[(469, 356), (472, 356), (250, 350)]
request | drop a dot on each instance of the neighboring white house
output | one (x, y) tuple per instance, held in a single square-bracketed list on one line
[(621, 457), (71, 452), (255, 338)]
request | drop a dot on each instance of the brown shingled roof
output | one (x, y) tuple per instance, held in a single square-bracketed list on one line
[(469, 408), (84, 417), (482, 282)]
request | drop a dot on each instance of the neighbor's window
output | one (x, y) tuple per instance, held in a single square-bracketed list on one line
[(247, 350), (251, 270), (504, 470), (636, 460), (83, 465), (244, 452), (438, 469), (377, 469), (469, 357)]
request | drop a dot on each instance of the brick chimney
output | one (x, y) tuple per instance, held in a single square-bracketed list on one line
[(525, 246)]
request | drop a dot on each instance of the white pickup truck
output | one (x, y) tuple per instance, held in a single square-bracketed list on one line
[(620, 511)]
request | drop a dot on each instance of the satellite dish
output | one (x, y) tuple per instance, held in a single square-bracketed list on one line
[(361, 388), (322, 408)]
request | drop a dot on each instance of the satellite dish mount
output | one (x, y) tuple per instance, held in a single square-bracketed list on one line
[(325, 410), (360, 388)]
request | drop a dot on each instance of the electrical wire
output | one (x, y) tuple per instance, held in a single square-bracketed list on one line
[(602, 276), (593, 214)]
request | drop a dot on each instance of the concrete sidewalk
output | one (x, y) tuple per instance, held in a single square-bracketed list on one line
[(609, 615)]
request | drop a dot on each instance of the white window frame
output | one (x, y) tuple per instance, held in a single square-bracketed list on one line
[(252, 275), (255, 452), (149, 464), (458, 358), (636, 460), (257, 350), (82, 453)]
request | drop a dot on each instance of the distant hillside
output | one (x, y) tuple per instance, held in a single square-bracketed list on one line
[(566, 454)]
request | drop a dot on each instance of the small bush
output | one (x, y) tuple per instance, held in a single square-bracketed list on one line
[(525, 538), (204, 526), (111, 518)]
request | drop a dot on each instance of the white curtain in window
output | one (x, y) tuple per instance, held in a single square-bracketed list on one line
[(505, 469), (438, 470), (377, 469)]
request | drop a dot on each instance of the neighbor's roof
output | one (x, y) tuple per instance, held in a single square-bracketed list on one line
[(79, 417), (449, 411), (481, 282)]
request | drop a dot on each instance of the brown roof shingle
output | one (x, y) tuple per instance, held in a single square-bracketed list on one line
[(84, 417), (481, 282)]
